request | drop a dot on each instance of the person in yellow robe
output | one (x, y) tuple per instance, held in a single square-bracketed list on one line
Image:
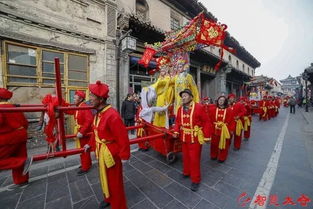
[(183, 80), (164, 89)]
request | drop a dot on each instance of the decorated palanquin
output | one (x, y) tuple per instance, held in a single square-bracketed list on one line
[(173, 63)]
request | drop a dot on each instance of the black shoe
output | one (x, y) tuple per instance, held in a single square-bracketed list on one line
[(27, 164), (143, 150), (236, 149), (194, 187), (81, 172), (246, 139), (184, 176), (213, 158), (104, 204), (221, 161)]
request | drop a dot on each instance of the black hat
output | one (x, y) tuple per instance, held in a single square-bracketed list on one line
[(188, 91)]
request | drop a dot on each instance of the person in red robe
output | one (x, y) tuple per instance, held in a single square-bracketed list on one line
[(239, 112), (277, 105), (83, 128), (223, 126), (13, 137), (194, 129), (263, 109), (111, 143), (269, 107), (247, 119), (207, 105)]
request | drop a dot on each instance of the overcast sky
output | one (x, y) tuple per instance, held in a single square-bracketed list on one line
[(278, 33)]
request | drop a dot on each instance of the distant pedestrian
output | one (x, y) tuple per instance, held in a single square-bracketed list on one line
[(129, 111), (292, 103)]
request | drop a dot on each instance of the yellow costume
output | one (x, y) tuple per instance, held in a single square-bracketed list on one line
[(165, 95), (184, 81)]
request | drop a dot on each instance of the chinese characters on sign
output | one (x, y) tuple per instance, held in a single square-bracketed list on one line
[(244, 200)]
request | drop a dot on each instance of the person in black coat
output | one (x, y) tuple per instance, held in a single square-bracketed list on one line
[(129, 111)]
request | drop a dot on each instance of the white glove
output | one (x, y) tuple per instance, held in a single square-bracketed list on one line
[(124, 161), (86, 147), (79, 135)]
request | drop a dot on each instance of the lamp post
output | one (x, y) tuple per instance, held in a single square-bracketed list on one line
[(305, 77), (128, 43)]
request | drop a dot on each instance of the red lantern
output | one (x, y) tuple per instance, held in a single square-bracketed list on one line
[(147, 56)]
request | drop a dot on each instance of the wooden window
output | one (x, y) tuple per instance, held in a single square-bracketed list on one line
[(48, 74), (174, 23), (27, 65), (142, 9), (21, 64), (77, 70)]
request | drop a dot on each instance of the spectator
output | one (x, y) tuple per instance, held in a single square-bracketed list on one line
[(129, 111), (292, 103)]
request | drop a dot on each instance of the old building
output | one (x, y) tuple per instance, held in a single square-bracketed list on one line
[(289, 85), (34, 32), (262, 85), (150, 19)]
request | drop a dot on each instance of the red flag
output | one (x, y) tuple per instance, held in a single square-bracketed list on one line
[(147, 56), (212, 33)]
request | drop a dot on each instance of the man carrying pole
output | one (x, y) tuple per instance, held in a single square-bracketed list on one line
[(83, 125), (111, 143), (194, 129)]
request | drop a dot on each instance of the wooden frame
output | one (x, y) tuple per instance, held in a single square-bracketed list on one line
[(39, 68)]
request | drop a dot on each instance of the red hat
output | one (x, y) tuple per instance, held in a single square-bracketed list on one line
[(99, 89), (80, 94), (205, 98), (5, 94), (242, 98), (231, 96), (264, 97)]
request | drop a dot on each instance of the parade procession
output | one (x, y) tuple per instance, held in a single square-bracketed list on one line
[(145, 104)]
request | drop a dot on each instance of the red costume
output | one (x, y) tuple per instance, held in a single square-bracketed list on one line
[(140, 131), (277, 106), (239, 111), (223, 121), (263, 109), (13, 137), (269, 108), (194, 129), (83, 124), (51, 102), (247, 119), (111, 143)]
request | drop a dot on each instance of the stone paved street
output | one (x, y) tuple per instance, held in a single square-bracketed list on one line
[(151, 183)]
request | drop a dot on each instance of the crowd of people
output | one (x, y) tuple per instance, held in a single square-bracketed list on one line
[(221, 124), (172, 102)]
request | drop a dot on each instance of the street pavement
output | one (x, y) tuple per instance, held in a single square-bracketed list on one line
[(277, 160)]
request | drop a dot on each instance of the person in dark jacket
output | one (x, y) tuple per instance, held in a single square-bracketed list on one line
[(292, 103), (129, 111)]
